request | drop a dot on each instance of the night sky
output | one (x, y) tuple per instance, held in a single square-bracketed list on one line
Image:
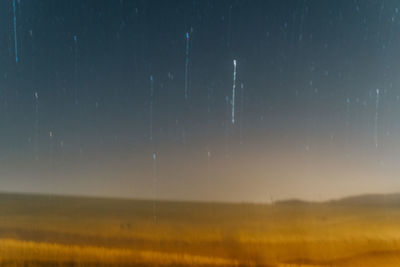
[(92, 98)]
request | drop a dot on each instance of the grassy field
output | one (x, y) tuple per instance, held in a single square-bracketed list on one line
[(69, 231)]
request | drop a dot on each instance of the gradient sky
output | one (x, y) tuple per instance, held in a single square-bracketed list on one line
[(317, 98)]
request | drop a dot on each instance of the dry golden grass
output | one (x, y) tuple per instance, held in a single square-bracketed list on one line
[(25, 251), (39, 230)]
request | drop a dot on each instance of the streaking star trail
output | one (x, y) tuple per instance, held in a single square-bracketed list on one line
[(15, 31), (376, 118), (187, 65), (233, 91)]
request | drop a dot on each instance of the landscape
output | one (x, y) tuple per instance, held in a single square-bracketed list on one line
[(45, 230), (200, 133)]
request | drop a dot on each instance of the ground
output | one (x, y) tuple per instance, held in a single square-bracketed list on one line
[(74, 231)]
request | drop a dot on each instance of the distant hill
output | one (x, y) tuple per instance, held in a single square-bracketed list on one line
[(293, 202), (367, 200), (370, 199)]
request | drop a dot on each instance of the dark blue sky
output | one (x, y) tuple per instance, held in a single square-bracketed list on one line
[(310, 122)]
